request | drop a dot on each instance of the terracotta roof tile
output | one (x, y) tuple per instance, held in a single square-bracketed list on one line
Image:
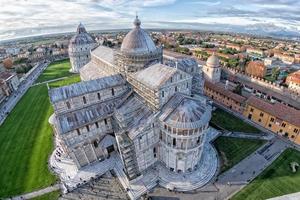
[(278, 110), (218, 87)]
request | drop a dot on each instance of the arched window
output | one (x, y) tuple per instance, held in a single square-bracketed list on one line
[(95, 143), (112, 91), (68, 105), (84, 99)]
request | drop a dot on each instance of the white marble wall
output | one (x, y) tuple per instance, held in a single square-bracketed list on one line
[(91, 98), (212, 74), (179, 149), (80, 55), (180, 82), (146, 146)]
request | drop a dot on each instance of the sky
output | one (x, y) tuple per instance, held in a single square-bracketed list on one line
[(33, 17)]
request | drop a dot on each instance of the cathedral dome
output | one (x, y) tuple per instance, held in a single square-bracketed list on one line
[(213, 61), (81, 37), (138, 41)]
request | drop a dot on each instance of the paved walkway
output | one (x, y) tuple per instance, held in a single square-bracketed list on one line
[(293, 196), (234, 179), (258, 136), (53, 80), (37, 193)]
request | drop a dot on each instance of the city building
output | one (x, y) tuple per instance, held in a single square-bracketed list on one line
[(212, 69), (11, 80), (256, 68), (4, 91), (277, 117), (80, 47), (138, 113), (254, 51), (293, 81), (222, 95)]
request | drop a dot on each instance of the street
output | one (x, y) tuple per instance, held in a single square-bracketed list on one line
[(14, 98)]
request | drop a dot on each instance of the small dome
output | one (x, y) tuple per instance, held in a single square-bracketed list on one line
[(81, 37), (188, 111), (137, 40), (213, 61)]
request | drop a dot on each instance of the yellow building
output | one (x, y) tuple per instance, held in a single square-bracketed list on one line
[(278, 118), (218, 93)]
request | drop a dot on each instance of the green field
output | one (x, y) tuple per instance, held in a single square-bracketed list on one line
[(26, 138), (278, 179), (67, 81), (49, 196), (233, 150), (229, 122), (57, 69)]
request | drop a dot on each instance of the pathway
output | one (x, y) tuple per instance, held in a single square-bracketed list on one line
[(52, 80), (234, 179), (37, 193), (258, 136)]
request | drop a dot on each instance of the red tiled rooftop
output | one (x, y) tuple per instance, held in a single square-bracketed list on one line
[(278, 110), (220, 88), (5, 75)]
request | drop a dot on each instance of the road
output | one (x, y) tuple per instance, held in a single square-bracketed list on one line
[(14, 98)]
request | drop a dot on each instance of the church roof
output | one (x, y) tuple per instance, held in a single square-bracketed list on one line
[(81, 37), (134, 115), (188, 111), (155, 75), (183, 111), (72, 120), (213, 61), (105, 54), (138, 41), (81, 88)]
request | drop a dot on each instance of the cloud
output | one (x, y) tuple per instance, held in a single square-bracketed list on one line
[(25, 17)]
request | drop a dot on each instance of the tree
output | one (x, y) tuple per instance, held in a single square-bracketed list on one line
[(275, 73), (238, 89)]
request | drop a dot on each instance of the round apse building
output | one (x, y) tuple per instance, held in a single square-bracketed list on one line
[(80, 47), (182, 135)]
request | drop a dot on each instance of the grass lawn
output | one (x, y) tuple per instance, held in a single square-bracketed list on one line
[(49, 196), (25, 143), (233, 150), (26, 140), (278, 179), (67, 81), (230, 122), (56, 70)]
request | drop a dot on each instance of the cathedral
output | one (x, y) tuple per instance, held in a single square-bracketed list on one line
[(138, 114)]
